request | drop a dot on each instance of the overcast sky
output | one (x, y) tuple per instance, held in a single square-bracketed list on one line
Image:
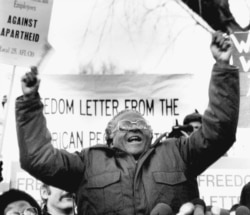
[(143, 36)]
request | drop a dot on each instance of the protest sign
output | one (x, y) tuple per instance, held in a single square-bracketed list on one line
[(241, 53), (23, 31)]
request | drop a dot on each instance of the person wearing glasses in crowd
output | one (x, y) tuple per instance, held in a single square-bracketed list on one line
[(56, 201), (130, 174), (18, 202)]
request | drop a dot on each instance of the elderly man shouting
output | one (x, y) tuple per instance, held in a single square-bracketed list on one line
[(129, 174)]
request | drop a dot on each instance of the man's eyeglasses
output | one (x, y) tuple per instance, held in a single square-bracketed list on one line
[(27, 211), (126, 125)]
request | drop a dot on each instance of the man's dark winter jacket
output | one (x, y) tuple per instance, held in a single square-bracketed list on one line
[(109, 181)]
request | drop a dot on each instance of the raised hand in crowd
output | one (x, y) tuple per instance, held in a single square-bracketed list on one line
[(221, 47), (30, 83)]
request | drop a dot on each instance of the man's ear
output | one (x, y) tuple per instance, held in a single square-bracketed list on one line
[(44, 192)]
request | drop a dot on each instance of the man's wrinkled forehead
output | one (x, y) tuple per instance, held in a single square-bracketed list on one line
[(129, 115)]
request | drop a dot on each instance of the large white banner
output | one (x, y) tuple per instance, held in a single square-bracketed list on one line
[(78, 107), (24, 26)]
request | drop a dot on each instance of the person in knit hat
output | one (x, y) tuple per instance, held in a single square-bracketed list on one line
[(16, 201), (193, 119)]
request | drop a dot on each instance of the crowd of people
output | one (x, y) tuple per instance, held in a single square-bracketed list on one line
[(129, 174), (55, 201)]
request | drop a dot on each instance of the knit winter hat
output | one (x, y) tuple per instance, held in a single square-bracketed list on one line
[(14, 195), (193, 117)]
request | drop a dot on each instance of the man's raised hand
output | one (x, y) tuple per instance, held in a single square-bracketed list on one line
[(30, 83)]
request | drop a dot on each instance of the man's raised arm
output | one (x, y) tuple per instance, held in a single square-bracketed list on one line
[(37, 154), (220, 119)]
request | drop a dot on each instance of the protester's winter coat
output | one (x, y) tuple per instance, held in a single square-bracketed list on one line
[(109, 181)]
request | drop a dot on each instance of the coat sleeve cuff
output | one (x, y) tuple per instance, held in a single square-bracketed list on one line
[(218, 66), (27, 107)]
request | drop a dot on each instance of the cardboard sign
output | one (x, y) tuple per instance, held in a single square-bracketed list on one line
[(23, 31)]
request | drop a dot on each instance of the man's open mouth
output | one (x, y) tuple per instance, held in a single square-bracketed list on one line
[(134, 138)]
